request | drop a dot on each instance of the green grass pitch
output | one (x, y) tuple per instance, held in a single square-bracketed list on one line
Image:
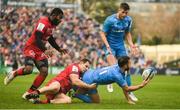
[(163, 92)]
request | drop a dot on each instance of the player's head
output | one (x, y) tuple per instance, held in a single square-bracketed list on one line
[(123, 10), (124, 63), (84, 65), (56, 15)]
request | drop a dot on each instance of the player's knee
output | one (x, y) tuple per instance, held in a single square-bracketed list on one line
[(44, 71), (56, 88), (95, 101), (28, 69)]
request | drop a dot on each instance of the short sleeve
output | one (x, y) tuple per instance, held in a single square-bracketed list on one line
[(74, 70), (119, 80), (41, 26), (107, 25)]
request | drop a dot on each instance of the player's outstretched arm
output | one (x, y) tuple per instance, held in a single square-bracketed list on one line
[(127, 89), (136, 87), (77, 82)]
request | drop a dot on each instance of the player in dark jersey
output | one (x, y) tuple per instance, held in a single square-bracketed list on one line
[(57, 87), (35, 51)]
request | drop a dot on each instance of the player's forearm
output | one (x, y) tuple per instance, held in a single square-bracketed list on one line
[(134, 88), (80, 83), (104, 39), (129, 39), (53, 43)]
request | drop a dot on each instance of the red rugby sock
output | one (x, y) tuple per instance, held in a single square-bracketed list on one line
[(20, 71), (37, 82)]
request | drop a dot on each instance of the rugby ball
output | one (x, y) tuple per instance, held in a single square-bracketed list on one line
[(149, 73)]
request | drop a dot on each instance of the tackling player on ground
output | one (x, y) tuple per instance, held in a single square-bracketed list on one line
[(57, 87), (35, 51)]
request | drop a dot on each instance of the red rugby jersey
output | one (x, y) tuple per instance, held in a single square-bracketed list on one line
[(43, 25)]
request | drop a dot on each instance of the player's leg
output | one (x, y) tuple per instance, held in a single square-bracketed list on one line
[(80, 92), (129, 83), (95, 98), (15, 64), (50, 90), (128, 78), (126, 94), (42, 66), (52, 87), (60, 99), (25, 70), (87, 96), (111, 61), (94, 95), (131, 94), (82, 95), (110, 57)]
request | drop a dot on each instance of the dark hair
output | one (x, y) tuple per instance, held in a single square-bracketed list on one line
[(123, 61), (84, 60), (124, 6), (56, 11)]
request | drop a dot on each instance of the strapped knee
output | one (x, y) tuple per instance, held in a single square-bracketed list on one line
[(28, 69), (44, 71)]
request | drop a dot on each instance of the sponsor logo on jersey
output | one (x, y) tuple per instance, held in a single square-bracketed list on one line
[(43, 55), (40, 26), (75, 69), (31, 52), (118, 30)]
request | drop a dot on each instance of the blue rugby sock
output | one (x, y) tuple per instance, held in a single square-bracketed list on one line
[(84, 98), (128, 79)]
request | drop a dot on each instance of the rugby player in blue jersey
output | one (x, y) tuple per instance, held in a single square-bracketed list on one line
[(116, 28), (108, 75)]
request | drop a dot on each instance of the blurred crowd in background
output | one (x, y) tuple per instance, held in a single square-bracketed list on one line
[(77, 32)]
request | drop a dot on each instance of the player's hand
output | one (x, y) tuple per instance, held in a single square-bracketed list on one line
[(109, 50), (63, 51), (49, 53), (145, 82), (93, 86), (134, 50)]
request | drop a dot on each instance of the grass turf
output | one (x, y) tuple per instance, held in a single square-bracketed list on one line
[(163, 92)]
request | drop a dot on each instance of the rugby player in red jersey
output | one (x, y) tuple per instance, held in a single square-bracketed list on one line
[(57, 87), (35, 51)]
